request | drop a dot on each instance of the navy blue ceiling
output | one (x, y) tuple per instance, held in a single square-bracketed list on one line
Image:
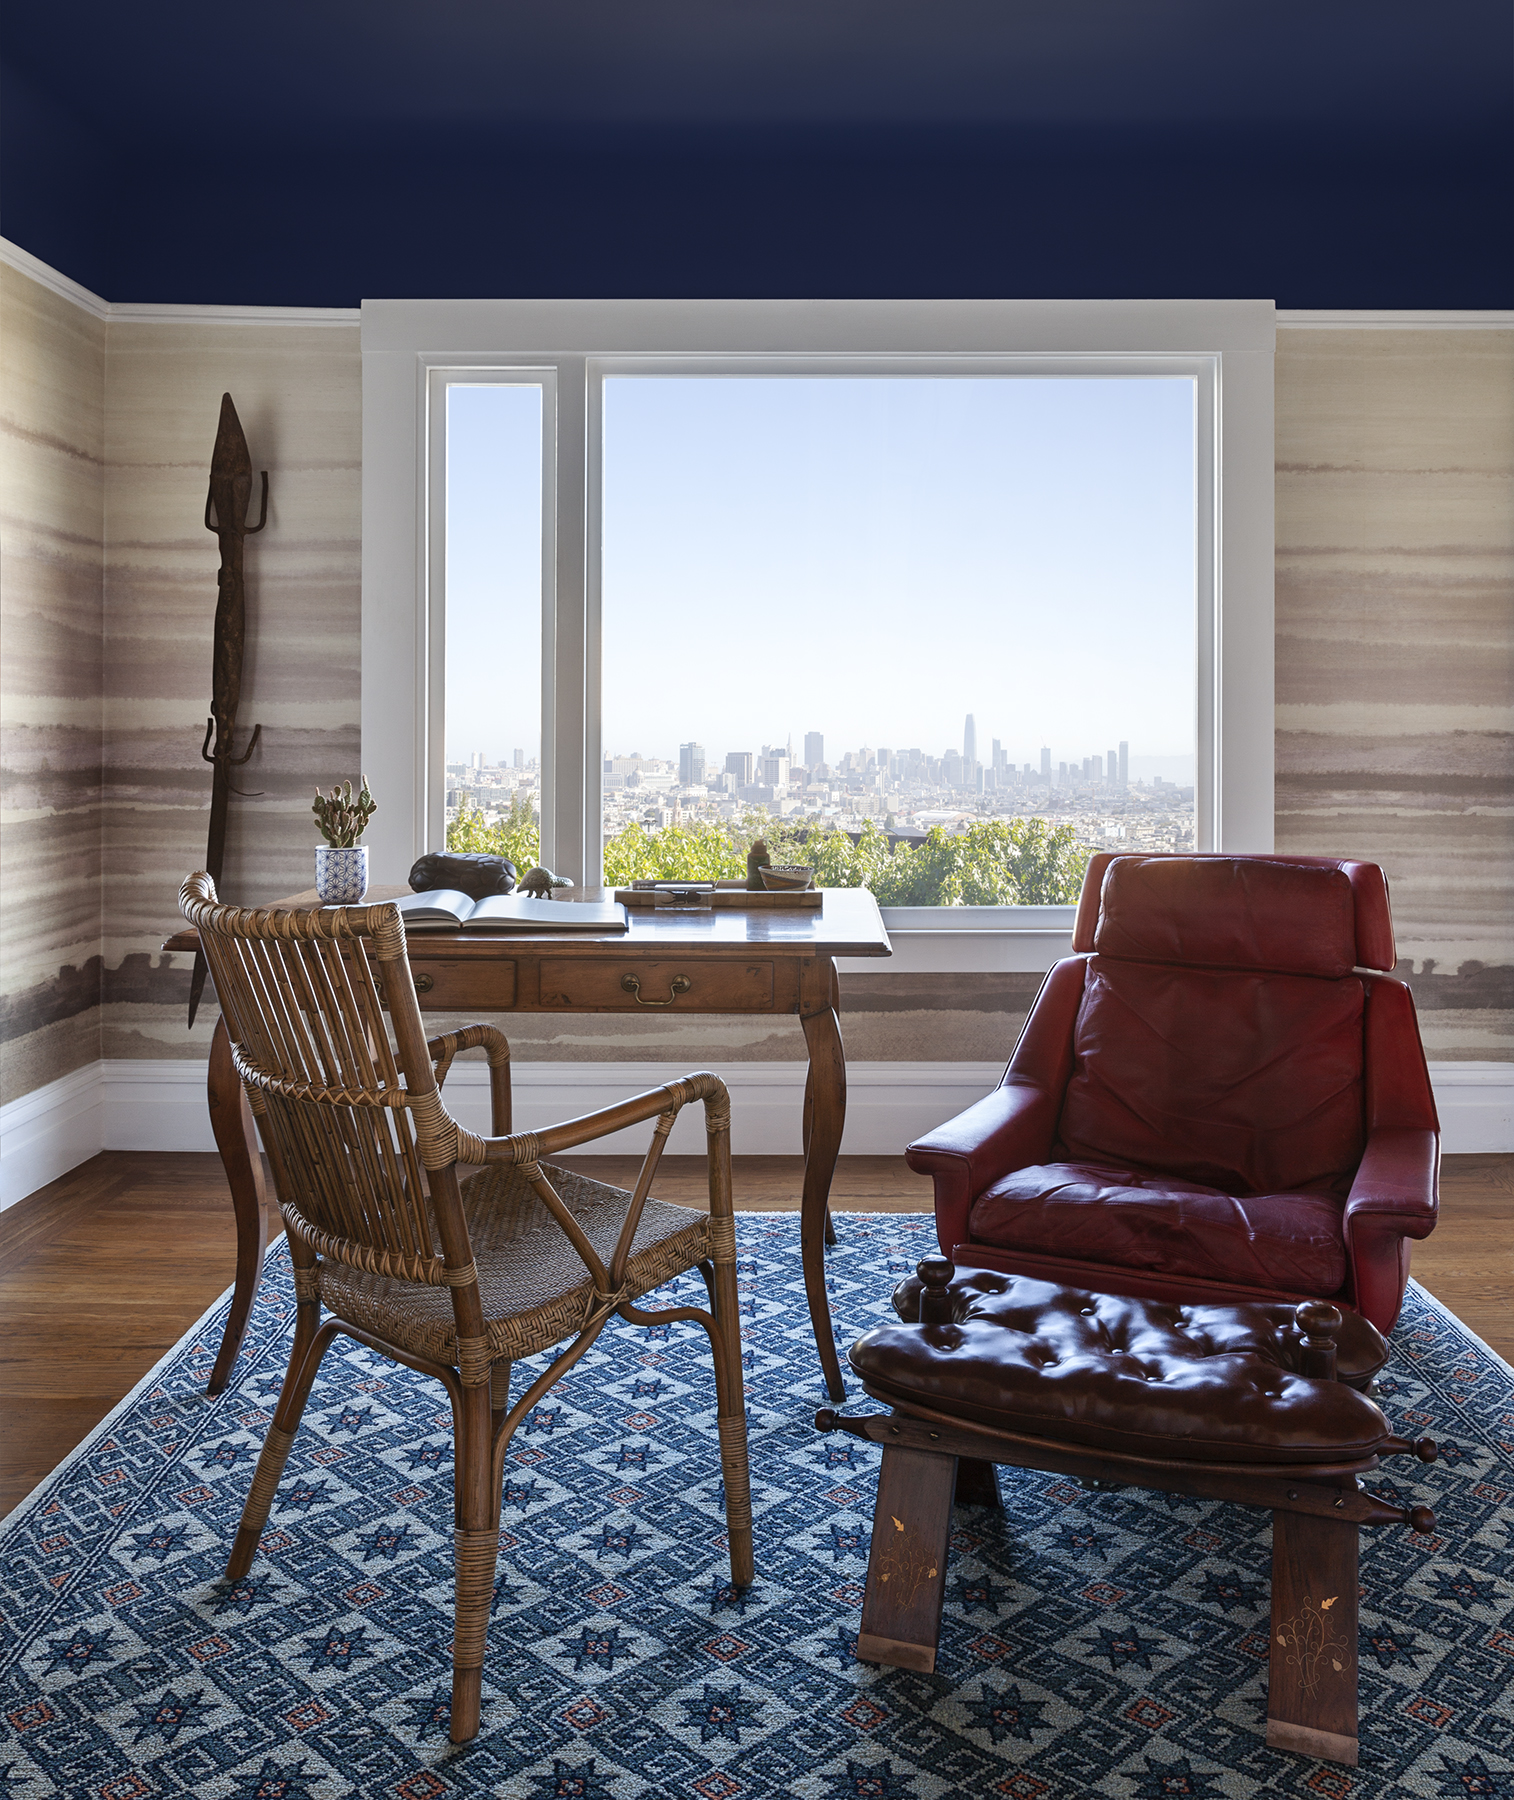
[(1325, 153)]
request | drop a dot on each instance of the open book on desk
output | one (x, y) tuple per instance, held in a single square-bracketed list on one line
[(446, 909)]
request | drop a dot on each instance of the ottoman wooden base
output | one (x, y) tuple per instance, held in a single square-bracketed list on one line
[(932, 1458)]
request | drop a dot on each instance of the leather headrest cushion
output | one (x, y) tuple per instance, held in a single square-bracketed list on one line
[(1228, 912)]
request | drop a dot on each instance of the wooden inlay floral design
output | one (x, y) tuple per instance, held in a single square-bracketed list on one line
[(1309, 1639)]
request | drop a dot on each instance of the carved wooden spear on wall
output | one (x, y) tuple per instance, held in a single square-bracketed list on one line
[(229, 497)]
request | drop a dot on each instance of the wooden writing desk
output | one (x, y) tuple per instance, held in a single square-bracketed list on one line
[(772, 961)]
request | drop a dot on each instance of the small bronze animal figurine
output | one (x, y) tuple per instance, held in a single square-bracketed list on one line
[(473, 874), (539, 883)]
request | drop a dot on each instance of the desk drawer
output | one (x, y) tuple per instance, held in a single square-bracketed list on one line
[(459, 984), (666, 986)]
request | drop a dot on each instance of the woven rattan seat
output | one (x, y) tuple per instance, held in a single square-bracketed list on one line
[(532, 1286), (456, 1254)]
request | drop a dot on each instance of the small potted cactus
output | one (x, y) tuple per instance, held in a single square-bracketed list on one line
[(341, 863)]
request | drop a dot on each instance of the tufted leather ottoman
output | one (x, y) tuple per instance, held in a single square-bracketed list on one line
[(1259, 1404)]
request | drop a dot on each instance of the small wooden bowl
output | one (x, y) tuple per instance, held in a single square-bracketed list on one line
[(786, 878)]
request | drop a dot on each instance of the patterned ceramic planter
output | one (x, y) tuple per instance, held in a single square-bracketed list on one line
[(341, 876)]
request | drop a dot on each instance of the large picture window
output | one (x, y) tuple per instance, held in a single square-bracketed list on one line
[(922, 618)]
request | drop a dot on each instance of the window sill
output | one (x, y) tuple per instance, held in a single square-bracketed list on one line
[(970, 940)]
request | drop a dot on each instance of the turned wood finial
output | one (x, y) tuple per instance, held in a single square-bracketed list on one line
[(1317, 1321), (935, 1300)]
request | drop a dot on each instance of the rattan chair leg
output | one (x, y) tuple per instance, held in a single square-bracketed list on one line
[(476, 1545), (730, 1400), (310, 1345)]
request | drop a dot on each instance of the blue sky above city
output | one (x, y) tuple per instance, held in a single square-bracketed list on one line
[(872, 558)]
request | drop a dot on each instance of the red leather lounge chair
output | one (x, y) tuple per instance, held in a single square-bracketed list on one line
[(1221, 1096)]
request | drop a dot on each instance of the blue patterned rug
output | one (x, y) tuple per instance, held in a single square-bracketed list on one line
[(1094, 1643)]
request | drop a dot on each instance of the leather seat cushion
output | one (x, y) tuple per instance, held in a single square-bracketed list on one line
[(1247, 1082), (1139, 1377), (1133, 1219)]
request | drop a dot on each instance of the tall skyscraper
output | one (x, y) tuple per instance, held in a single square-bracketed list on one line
[(1062, 775), (1045, 764), (690, 765), (739, 763), (520, 759), (1112, 764), (969, 742), (1124, 763), (814, 749)]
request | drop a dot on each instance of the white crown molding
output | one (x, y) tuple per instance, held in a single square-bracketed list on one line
[(144, 313), (132, 312), (1300, 320), (14, 257)]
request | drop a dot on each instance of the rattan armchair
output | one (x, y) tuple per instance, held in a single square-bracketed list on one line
[(457, 1278)]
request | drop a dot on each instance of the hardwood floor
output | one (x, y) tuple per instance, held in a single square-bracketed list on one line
[(105, 1270)]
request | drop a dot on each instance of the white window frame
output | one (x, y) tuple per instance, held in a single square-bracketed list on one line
[(412, 349)]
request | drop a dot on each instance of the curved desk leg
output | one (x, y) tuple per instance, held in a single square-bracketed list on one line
[(231, 1121), (809, 1122), (826, 1108)]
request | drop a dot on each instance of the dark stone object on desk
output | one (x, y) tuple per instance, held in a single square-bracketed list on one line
[(473, 874)]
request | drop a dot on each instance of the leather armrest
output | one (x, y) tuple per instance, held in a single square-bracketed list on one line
[(1007, 1129), (1398, 1177), (1394, 1198)]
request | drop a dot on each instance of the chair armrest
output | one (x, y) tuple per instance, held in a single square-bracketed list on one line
[(1398, 1178), (1008, 1129), (442, 1049), (1394, 1198), (531, 1146)]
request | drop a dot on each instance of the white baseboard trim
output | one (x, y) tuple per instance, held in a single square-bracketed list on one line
[(160, 1105), (49, 1131)]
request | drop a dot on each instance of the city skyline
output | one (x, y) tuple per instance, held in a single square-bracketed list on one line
[(882, 554)]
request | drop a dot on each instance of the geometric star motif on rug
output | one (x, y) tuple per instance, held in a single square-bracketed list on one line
[(1173, 1781), (1228, 1589), (875, 1781), (427, 1456), (1123, 1647), (617, 1540), (241, 1596), (519, 1494), (1388, 1643), (228, 1453), (1083, 1540), (159, 1543), (79, 1651), (273, 1783), (721, 1714), (1474, 1778), (598, 1647), (849, 1540), (633, 1456), (843, 1646), (337, 1650), (1462, 1587), (302, 1495), (1007, 1715), (977, 1592), (385, 1542), (167, 1717), (566, 1783), (431, 1712), (726, 1593)]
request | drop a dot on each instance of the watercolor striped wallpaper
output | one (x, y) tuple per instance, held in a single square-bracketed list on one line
[(1395, 647), (52, 533), (1395, 641)]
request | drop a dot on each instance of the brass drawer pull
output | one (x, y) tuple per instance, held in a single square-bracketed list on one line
[(423, 985), (680, 984)]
